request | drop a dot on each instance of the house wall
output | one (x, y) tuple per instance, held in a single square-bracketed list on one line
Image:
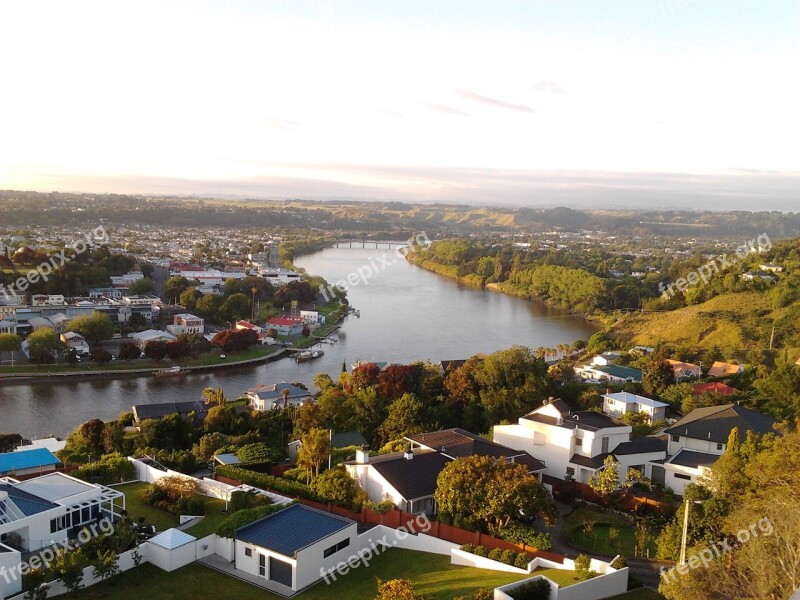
[(169, 560), (310, 560), (629, 460), (34, 530), (693, 444), (676, 484), (9, 559), (552, 445), (375, 485)]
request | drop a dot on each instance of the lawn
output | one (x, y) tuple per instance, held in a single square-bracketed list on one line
[(136, 507), (432, 575), (562, 577), (164, 520), (598, 539)]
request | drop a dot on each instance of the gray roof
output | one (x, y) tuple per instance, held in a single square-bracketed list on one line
[(714, 423), (275, 391), (292, 529), (591, 462), (343, 439), (690, 458), (641, 445), (415, 478), (587, 420)]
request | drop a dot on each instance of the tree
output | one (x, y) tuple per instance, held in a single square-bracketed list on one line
[(189, 297), (207, 446), (657, 376), (44, 341), (214, 396), (91, 436), (208, 306), (95, 327), (105, 565), (606, 482), (583, 570), (315, 446), (258, 452), (492, 491), (101, 356), (396, 589), (35, 584), (174, 287), (156, 350), (128, 351), (237, 306), (337, 486), (142, 286), (10, 342), (68, 567), (9, 441), (406, 417)]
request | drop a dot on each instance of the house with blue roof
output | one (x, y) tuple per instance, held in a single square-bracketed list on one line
[(292, 548), (27, 462)]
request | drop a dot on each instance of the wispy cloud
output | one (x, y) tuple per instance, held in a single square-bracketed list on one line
[(280, 123), (549, 87), (394, 113), (443, 108), (486, 101)]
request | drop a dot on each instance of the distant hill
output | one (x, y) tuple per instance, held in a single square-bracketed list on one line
[(738, 321)]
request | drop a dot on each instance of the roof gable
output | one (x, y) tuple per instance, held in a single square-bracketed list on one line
[(714, 423)]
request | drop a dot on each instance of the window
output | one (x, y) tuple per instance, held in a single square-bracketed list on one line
[(719, 446), (336, 547), (570, 473), (248, 552), (604, 443), (682, 476), (676, 438)]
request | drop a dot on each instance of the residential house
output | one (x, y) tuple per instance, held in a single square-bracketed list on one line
[(60, 321), (714, 387), (38, 323), (75, 341), (606, 358), (186, 323), (312, 317), (575, 444), (286, 325), (684, 370), (27, 462), (771, 268), (697, 440), (249, 326), (267, 397), (723, 369), (408, 479), (49, 509), (163, 409), (110, 293), (143, 338), (755, 276), (279, 277), (609, 373), (618, 404), (293, 547), (8, 326)]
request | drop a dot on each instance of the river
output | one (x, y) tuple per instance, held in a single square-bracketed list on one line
[(406, 314)]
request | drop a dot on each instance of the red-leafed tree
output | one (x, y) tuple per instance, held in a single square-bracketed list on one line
[(396, 380)]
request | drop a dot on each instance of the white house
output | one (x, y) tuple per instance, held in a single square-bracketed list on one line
[(294, 546), (7, 326), (575, 444), (616, 405), (279, 277), (408, 479), (75, 341), (46, 510), (684, 370), (267, 397), (143, 338), (312, 317), (286, 325), (697, 440), (609, 373), (249, 326), (606, 358), (186, 323)]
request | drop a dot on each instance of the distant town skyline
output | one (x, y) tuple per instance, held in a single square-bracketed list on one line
[(648, 104)]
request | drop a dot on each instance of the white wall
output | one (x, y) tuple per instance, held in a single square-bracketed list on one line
[(693, 444), (459, 557), (9, 559), (602, 586), (310, 560), (376, 486), (169, 560)]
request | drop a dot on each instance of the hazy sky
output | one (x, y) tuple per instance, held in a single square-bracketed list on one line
[(643, 102)]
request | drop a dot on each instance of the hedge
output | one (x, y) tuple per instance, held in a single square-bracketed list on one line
[(268, 482), (508, 557), (244, 517)]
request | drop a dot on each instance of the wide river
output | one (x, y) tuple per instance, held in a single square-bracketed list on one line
[(406, 314)]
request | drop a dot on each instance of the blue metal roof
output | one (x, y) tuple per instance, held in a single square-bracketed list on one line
[(292, 529), (27, 503), (27, 459)]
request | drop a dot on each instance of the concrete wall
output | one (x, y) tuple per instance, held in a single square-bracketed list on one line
[(9, 559), (693, 444), (375, 485), (612, 583), (381, 535), (467, 559), (310, 561)]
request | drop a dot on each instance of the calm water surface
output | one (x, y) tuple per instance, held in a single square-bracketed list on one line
[(407, 314)]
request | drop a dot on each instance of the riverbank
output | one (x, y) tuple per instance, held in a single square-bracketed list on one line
[(113, 371)]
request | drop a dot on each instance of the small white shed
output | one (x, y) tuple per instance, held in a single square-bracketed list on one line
[(172, 549)]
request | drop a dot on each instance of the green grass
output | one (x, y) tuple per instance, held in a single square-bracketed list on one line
[(562, 577), (214, 516), (598, 539), (137, 508), (432, 575)]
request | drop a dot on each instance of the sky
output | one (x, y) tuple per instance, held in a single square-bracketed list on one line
[(647, 103)]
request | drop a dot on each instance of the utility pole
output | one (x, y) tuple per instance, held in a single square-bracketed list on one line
[(771, 337), (330, 448)]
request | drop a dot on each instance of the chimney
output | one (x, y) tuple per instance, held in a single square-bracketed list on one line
[(408, 455), (362, 455)]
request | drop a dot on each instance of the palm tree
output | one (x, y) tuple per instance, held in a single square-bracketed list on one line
[(285, 394)]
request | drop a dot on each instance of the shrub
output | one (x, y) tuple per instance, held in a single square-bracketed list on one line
[(496, 554), (508, 556), (583, 569), (241, 499), (111, 468), (244, 517), (619, 562), (532, 590), (380, 507), (468, 548), (520, 534), (268, 482), (522, 560), (196, 506), (481, 551)]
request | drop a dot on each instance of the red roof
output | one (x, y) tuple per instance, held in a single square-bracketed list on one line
[(246, 324), (715, 387), (287, 321)]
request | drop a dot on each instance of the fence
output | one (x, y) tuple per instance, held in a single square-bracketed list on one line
[(398, 518), (629, 500)]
